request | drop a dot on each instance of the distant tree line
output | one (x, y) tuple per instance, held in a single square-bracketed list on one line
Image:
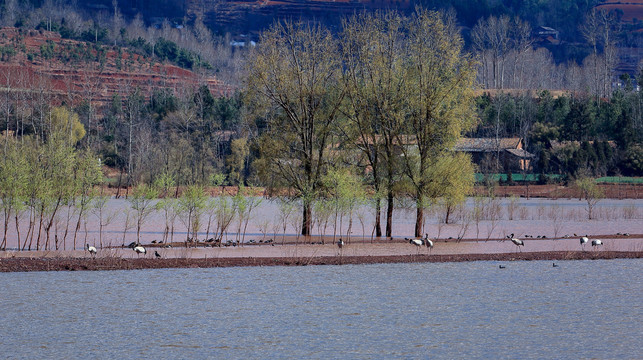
[(571, 135)]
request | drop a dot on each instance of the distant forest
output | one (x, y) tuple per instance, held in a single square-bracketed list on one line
[(564, 15)]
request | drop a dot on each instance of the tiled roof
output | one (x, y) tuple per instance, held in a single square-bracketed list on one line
[(520, 153)]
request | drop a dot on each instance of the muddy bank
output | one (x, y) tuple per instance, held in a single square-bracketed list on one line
[(76, 264)]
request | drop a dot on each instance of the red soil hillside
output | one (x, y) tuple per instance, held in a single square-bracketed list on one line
[(41, 61), (632, 9)]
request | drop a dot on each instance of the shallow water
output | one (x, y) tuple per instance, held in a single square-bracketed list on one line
[(551, 218), (581, 309)]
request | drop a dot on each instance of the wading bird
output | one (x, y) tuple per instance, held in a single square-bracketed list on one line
[(92, 250), (340, 243), (518, 242), (554, 265), (596, 242), (501, 266), (416, 242), (140, 250), (583, 241)]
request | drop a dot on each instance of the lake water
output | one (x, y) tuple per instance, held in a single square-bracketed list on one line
[(581, 309)]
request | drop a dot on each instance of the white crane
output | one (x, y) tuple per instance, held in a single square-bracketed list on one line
[(92, 250)]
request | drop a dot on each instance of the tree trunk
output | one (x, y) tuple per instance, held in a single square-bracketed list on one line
[(307, 217), (378, 224), (389, 214), (419, 216)]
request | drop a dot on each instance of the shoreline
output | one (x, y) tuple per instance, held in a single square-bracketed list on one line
[(29, 264)]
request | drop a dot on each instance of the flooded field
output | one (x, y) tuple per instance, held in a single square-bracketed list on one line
[(478, 220)]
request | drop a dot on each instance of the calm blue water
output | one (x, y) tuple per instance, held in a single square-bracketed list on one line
[(581, 309)]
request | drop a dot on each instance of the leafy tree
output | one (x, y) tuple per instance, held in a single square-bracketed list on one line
[(13, 173), (346, 193), (236, 161), (141, 201), (375, 77), (452, 179), (591, 192), (170, 209), (87, 174), (191, 205), (294, 77), (632, 161), (63, 120), (440, 98)]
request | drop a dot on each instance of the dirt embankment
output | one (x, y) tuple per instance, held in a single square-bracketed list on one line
[(75, 264), (611, 191)]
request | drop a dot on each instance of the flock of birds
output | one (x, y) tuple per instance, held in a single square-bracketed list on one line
[(425, 241)]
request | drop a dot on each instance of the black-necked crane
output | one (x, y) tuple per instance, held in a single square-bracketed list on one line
[(583, 241), (340, 243), (92, 250), (157, 255), (428, 242), (596, 242), (417, 243), (517, 242), (140, 250)]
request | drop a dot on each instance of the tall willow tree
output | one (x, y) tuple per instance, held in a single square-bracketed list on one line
[(375, 76), (294, 81), (440, 99)]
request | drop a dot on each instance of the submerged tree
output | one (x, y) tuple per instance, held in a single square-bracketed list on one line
[(591, 192), (440, 96), (293, 78), (375, 77)]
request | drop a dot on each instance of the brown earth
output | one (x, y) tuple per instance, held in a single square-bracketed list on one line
[(75, 264), (611, 191), (80, 78), (631, 9)]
